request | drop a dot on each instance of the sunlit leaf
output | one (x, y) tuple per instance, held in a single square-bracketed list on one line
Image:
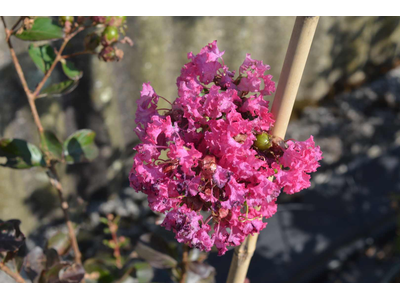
[(80, 147), (20, 154), (70, 70), (42, 29), (60, 242)]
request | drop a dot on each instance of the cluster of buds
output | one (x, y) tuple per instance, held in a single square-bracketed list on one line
[(210, 163), (104, 40), (109, 37)]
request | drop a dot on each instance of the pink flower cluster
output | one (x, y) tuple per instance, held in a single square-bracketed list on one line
[(198, 162)]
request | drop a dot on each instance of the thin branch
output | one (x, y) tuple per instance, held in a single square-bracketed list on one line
[(56, 60), (54, 180), (15, 59), (52, 174), (113, 229), (78, 53), (14, 275), (17, 23)]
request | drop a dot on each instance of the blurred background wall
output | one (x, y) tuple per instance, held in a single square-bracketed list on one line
[(348, 99)]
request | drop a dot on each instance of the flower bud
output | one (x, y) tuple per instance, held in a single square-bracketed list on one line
[(262, 141)]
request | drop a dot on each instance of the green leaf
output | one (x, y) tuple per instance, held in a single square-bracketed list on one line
[(98, 270), (52, 257), (60, 242), (42, 29), (80, 147), (104, 220), (20, 154), (64, 272), (70, 70), (59, 89), (43, 56), (53, 145), (153, 249)]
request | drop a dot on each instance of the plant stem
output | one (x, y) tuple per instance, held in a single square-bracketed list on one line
[(113, 229), (78, 53), (31, 96), (17, 23), (292, 71), (15, 59), (55, 182), (10, 273), (185, 263)]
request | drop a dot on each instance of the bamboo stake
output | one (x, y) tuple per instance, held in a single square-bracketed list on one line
[(289, 81)]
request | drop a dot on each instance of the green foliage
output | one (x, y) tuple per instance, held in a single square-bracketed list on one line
[(70, 70), (99, 270), (20, 154), (59, 242), (80, 147), (53, 144), (59, 89), (43, 56), (63, 272), (42, 29)]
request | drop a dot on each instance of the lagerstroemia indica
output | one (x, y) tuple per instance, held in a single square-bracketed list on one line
[(210, 163)]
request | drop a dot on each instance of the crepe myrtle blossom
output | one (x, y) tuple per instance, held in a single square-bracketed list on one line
[(210, 163)]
